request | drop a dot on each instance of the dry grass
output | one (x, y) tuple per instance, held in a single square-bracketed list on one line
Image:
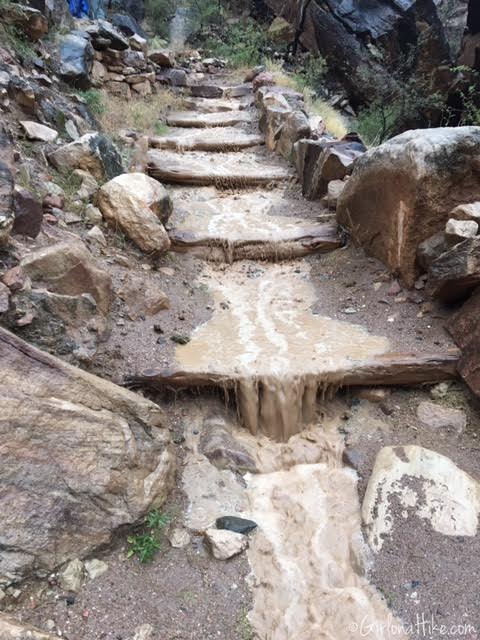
[(335, 123), (140, 114), (282, 78)]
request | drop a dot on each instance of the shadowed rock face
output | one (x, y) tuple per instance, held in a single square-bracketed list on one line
[(80, 457), (344, 32)]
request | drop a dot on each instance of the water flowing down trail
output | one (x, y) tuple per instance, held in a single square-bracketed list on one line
[(267, 340)]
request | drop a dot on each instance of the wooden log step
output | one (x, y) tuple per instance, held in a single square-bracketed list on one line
[(245, 226), (225, 139), (221, 170), (203, 120)]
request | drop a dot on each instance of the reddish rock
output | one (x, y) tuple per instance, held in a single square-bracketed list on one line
[(264, 79), (14, 279), (51, 201), (28, 214)]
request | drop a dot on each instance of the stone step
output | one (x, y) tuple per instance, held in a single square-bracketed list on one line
[(224, 139), (264, 342), (203, 120), (215, 105), (222, 170), (245, 226)]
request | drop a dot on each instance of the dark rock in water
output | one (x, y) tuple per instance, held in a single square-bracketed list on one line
[(28, 214), (233, 523), (127, 25), (76, 59), (222, 449)]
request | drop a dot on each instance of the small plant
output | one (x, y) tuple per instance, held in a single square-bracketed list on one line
[(145, 545), (244, 628), (161, 128), (94, 100), (312, 73)]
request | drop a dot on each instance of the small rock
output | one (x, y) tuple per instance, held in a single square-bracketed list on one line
[(72, 576), (95, 568), (4, 298), (374, 394), (458, 230), (50, 625), (438, 391), (93, 215), (96, 235), (225, 544), (236, 524), (179, 538), (144, 632), (53, 201), (37, 131), (28, 213), (440, 417), (179, 339)]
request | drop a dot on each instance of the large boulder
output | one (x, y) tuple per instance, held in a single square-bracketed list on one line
[(364, 42), (81, 457), (403, 191), (455, 273), (70, 269), (127, 25), (27, 20), (321, 161), (139, 205), (411, 481), (76, 59), (93, 152), (464, 327)]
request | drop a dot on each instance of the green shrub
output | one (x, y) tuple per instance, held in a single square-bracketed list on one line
[(242, 45), (94, 100), (146, 544), (159, 13), (312, 73)]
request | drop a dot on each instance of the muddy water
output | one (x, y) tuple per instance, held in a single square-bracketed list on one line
[(280, 354), (307, 557)]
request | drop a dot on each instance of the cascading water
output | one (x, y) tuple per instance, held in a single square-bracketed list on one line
[(179, 28)]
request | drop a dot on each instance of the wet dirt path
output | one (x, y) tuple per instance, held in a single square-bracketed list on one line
[(308, 558)]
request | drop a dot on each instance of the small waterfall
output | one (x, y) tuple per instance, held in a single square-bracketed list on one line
[(180, 28)]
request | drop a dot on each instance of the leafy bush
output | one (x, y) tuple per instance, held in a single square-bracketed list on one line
[(145, 545), (242, 45), (94, 100), (312, 73), (159, 14)]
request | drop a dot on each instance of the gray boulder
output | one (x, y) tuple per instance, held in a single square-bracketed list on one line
[(76, 59)]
